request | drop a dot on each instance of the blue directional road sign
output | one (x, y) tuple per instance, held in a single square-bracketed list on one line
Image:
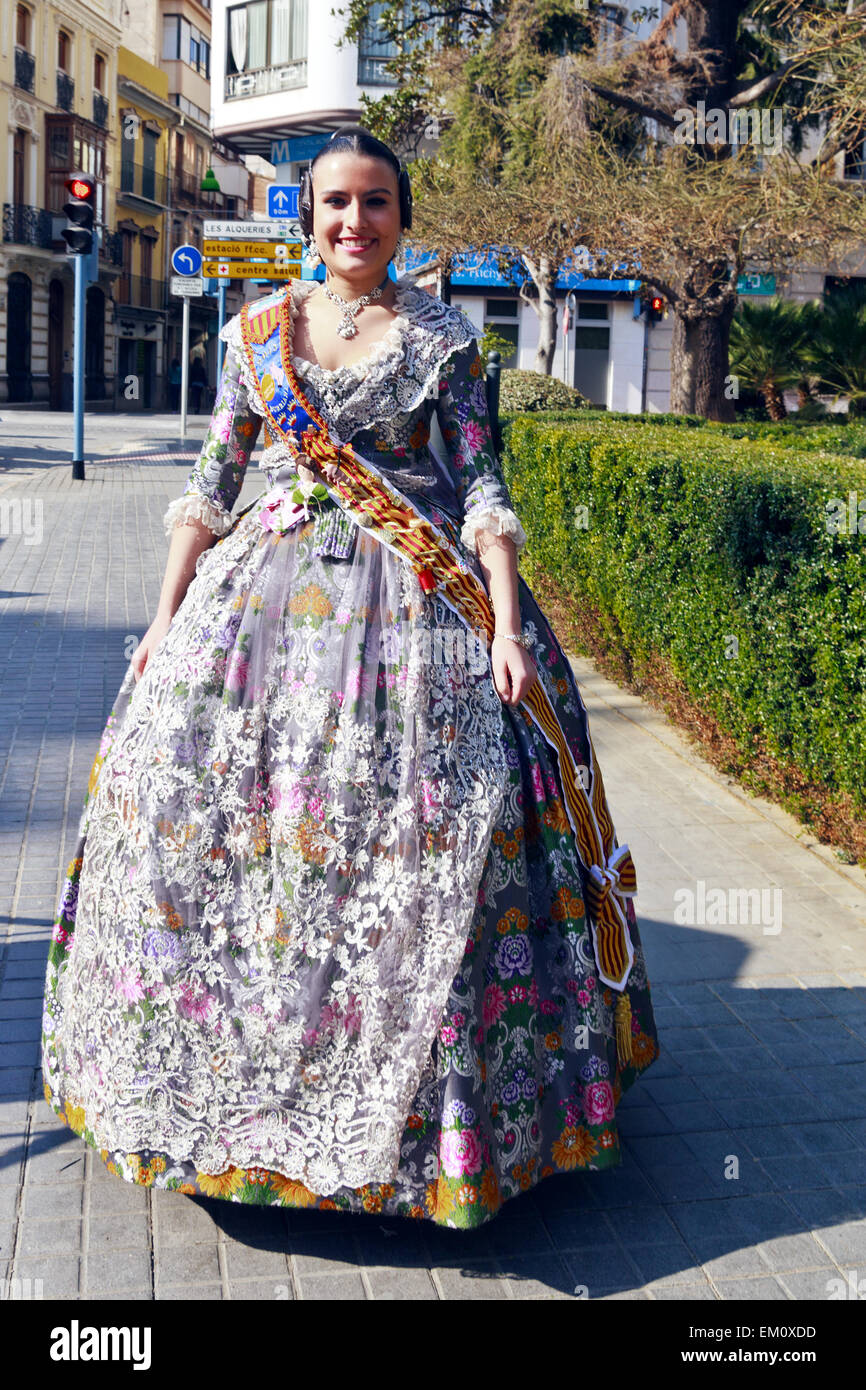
[(283, 200), (186, 260)]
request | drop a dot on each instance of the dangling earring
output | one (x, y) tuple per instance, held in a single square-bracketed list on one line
[(399, 250), (313, 251)]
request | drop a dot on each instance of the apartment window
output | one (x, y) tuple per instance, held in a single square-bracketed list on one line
[(502, 316), (588, 333), (64, 51), (99, 73), (266, 34), (374, 51), (22, 27), (182, 41)]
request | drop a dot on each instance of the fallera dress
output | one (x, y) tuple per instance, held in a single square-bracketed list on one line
[(323, 942)]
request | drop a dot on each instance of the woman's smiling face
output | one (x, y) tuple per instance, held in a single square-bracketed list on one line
[(356, 215)]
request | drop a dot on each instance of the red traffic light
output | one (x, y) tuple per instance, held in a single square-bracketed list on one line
[(657, 304), (81, 186)]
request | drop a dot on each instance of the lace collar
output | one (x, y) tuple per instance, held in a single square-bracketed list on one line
[(393, 378), (391, 343)]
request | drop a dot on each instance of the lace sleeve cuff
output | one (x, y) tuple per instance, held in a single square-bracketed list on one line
[(501, 521), (191, 506)]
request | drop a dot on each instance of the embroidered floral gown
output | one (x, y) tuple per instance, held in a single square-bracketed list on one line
[(323, 940)]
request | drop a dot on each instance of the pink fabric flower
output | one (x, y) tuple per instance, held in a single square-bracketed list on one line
[(494, 1004), (459, 1152), (598, 1102)]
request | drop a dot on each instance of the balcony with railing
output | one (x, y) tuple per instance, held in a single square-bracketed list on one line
[(25, 68), (26, 226), (139, 292), (65, 92), (100, 110), (139, 181), (266, 80)]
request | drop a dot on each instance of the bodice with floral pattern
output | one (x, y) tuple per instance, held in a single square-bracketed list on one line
[(427, 363)]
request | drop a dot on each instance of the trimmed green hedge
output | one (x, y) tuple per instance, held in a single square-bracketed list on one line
[(699, 534)]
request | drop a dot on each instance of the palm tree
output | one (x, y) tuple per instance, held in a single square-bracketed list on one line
[(837, 352), (767, 343)]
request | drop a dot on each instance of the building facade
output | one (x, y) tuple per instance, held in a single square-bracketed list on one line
[(282, 83), (59, 68)]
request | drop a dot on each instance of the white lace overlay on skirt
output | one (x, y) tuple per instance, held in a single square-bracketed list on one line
[(281, 865)]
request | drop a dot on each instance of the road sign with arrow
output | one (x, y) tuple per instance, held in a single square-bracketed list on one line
[(186, 260)]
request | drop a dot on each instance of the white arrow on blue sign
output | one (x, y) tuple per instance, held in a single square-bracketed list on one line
[(283, 200), (186, 260)]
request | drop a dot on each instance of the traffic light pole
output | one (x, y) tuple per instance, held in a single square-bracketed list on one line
[(184, 366), (78, 372), (221, 318)]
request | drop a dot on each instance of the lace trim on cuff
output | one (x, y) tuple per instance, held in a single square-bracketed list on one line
[(192, 506), (500, 521)]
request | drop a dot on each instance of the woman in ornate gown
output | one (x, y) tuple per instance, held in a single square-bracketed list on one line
[(326, 938)]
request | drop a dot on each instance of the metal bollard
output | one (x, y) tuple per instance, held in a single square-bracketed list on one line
[(492, 388)]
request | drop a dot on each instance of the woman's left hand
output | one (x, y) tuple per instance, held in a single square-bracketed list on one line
[(514, 671)]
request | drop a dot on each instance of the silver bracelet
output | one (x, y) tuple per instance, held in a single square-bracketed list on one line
[(522, 637)]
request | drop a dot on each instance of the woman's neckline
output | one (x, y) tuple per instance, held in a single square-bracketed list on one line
[(382, 347)]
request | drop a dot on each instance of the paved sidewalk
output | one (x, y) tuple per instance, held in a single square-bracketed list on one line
[(745, 1166)]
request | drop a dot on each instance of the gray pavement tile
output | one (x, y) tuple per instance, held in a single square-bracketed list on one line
[(642, 1119), (261, 1290), (55, 1156), (774, 1141), (181, 1223), (118, 1196), (845, 1242), (526, 1237), (669, 1263), (59, 1274), (445, 1247), (684, 1293), (642, 1226), (53, 1201), (604, 1268), (828, 1206), (794, 1252), (388, 1247), (693, 1115), (402, 1284), (331, 1288), (796, 1172), (126, 1230), (330, 1255), (814, 1284), (684, 1182), (614, 1188), (473, 1281), (118, 1270), (844, 1169), (186, 1264), (246, 1261), (577, 1230), (49, 1237), (751, 1290)]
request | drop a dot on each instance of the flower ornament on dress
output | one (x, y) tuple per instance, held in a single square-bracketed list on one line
[(284, 506)]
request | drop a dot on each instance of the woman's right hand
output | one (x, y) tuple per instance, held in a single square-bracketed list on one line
[(148, 645)]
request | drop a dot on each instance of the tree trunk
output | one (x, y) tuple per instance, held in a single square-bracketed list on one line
[(545, 307), (699, 365), (774, 401)]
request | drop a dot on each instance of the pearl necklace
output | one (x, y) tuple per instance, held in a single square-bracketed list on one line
[(346, 328)]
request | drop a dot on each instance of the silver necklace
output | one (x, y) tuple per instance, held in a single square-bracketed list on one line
[(346, 327)]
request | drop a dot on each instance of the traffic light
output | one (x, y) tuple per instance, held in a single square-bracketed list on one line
[(78, 233), (656, 309)]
